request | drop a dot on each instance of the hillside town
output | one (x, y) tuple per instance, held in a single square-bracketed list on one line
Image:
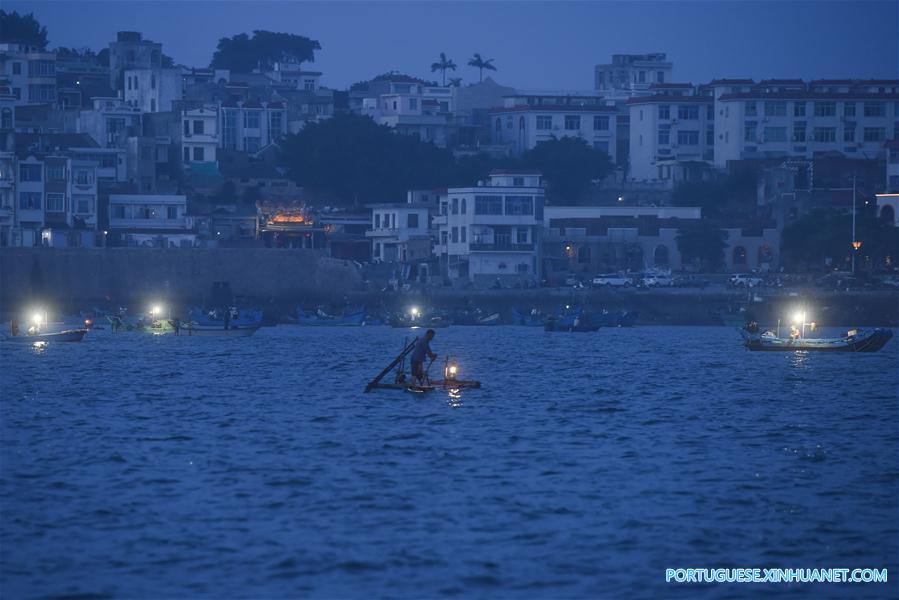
[(126, 148)]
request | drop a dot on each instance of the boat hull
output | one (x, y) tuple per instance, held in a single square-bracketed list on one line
[(863, 341), (456, 384), (70, 335), (201, 331)]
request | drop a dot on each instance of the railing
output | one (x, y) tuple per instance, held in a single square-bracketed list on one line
[(501, 247)]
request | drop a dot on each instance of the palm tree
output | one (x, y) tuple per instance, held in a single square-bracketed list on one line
[(443, 65), (481, 64), (455, 81)]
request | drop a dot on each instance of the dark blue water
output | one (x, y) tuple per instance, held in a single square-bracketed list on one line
[(150, 467)]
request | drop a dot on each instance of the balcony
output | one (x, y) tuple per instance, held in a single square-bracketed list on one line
[(126, 223), (500, 247), (382, 232)]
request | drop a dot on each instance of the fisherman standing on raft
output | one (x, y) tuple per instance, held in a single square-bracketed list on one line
[(421, 351)]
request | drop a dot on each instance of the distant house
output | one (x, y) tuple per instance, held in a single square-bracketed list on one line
[(150, 220)]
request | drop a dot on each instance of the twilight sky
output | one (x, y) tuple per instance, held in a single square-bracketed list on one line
[(536, 45)]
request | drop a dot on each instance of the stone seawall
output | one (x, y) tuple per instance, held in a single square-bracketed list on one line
[(79, 277)]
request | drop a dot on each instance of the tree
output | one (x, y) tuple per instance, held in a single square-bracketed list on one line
[(455, 81), (733, 195), (243, 53), (443, 65), (569, 166), (702, 243), (22, 29), (480, 64), (826, 234)]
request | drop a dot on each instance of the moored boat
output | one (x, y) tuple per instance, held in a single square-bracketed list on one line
[(69, 335), (350, 319), (192, 329), (855, 340)]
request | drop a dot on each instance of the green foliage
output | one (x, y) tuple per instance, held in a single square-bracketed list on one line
[(243, 53), (827, 233), (702, 243), (227, 193), (480, 64), (22, 29), (443, 65), (455, 81), (569, 166), (732, 195), (360, 162), (361, 86)]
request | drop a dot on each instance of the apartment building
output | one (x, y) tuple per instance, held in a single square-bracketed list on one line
[(631, 74), (251, 125), (199, 135), (154, 220), (31, 73), (153, 90), (415, 109), (400, 232)]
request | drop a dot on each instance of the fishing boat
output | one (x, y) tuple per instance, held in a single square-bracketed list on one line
[(69, 335), (401, 381), (533, 319), (350, 319), (855, 340), (616, 318), (217, 318), (193, 329)]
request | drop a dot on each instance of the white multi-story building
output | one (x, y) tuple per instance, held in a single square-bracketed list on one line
[(892, 166), (291, 74), (414, 109), (630, 74), (668, 132), (31, 73), (153, 90), (492, 232), (528, 119), (780, 118), (252, 125), (199, 135), (399, 232), (150, 220), (110, 121), (131, 51)]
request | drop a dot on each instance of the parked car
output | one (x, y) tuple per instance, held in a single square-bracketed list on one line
[(743, 280), (611, 280), (657, 280)]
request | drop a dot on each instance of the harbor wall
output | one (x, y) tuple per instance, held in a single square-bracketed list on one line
[(80, 277)]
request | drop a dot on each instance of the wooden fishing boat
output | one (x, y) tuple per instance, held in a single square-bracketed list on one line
[(350, 319), (69, 335), (433, 385), (855, 340), (401, 382)]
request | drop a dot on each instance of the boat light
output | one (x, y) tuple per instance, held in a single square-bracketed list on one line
[(36, 318), (799, 318), (415, 312), (856, 245), (451, 371), (155, 310)]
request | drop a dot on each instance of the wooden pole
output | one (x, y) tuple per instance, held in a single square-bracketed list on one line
[(387, 369)]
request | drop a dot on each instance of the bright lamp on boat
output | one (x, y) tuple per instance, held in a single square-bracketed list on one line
[(155, 310), (36, 318), (451, 371), (799, 318), (415, 312)]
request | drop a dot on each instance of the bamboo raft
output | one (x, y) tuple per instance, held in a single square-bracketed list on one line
[(400, 382)]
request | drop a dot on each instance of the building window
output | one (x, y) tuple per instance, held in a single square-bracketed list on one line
[(825, 109), (544, 122), (488, 205), (17, 68), (413, 103), (499, 125), (664, 135), (198, 127), (751, 110), (171, 212), (455, 235), (55, 202), (377, 220), (464, 206), (186, 127), (664, 111), (874, 134), (186, 154), (251, 119), (749, 131), (600, 123), (875, 109), (6, 119), (152, 104), (521, 235), (572, 122), (83, 177), (412, 220), (799, 131), (198, 153), (56, 173), (688, 113), (688, 138), (710, 136), (775, 109), (775, 134), (519, 205), (83, 204), (849, 109), (29, 200), (849, 132), (799, 109), (824, 134), (641, 78), (455, 202), (660, 76), (463, 232), (118, 211), (518, 181), (29, 172)]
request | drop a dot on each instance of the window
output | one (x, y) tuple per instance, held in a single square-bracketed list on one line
[(775, 134), (710, 136), (464, 206), (413, 103), (377, 220), (29, 200), (186, 127), (41, 68), (198, 127), (454, 236), (664, 135), (146, 153), (896, 130), (825, 109), (412, 220), (198, 153), (751, 110), (17, 68), (455, 203), (521, 235), (309, 85), (521, 268), (118, 211), (6, 119), (687, 113), (824, 134), (874, 134), (463, 231), (572, 122), (518, 181), (660, 76), (849, 109), (83, 204), (171, 212), (251, 119), (55, 202), (749, 131), (849, 132), (152, 104), (688, 138), (664, 111), (710, 112), (152, 81), (276, 122), (509, 122), (875, 109), (799, 131), (29, 172), (775, 109), (488, 205), (642, 77), (444, 236), (56, 173), (799, 109), (600, 123), (544, 122), (519, 205), (83, 177), (499, 125), (186, 154)]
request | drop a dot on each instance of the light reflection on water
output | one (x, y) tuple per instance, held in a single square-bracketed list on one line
[(163, 466)]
